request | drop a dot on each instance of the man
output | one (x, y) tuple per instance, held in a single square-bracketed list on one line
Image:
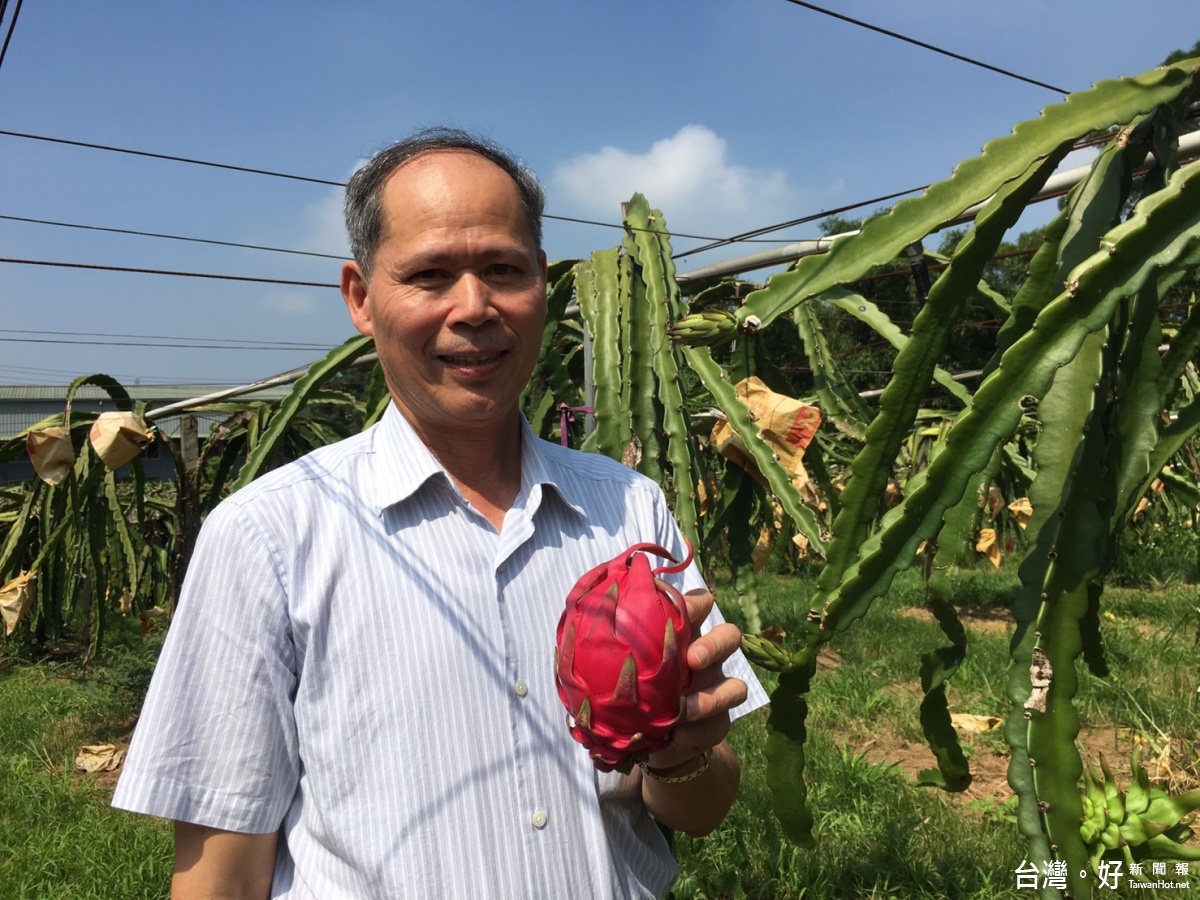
[(356, 696)]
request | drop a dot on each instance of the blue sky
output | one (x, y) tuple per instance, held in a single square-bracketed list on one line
[(727, 115)]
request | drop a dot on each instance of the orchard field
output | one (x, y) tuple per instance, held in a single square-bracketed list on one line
[(952, 497)]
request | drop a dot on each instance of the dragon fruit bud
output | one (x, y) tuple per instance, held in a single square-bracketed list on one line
[(621, 658)]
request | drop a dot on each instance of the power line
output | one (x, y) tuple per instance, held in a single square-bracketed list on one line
[(172, 237), (10, 340), (247, 278), (753, 236), (165, 337), (31, 372), (749, 236), (621, 227), (170, 158), (255, 171), (39, 377), (290, 282), (11, 27), (923, 44)]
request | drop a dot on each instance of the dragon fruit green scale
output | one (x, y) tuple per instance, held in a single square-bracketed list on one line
[(621, 658)]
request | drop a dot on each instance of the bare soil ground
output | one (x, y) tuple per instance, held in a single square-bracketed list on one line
[(1174, 765)]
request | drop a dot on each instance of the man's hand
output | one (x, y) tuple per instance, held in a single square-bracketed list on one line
[(697, 806), (712, 695)]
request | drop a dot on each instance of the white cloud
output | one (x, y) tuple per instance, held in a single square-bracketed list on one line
[(323, 230), (689, 176), (291, 303)]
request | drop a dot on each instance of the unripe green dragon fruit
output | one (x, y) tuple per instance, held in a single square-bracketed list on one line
[(703, 329), (621, 658), (1144, 822)]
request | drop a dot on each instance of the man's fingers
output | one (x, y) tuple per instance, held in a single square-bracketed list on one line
[(717, 700), (699, 603), (695, 737), (715, 647)]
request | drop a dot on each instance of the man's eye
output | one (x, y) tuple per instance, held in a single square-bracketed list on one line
[(504, 270), (428, 275)]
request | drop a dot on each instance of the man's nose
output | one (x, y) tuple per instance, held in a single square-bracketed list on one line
[(473, 300)]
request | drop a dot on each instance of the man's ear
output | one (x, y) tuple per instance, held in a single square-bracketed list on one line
[(542, 263), (354, 292)]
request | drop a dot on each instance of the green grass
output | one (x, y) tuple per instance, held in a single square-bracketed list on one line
[(1159, 549), (877, 837), (58, 836), (878, 834)]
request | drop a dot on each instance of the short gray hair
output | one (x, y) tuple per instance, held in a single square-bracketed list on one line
[(364, 206)]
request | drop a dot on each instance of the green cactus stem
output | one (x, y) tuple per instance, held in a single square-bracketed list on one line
[(786, 736), (598, 289), (312, 382), (913, 369), (837, 398), (648, 243)]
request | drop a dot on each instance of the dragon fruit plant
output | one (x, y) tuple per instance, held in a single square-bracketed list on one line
[(621, 658)]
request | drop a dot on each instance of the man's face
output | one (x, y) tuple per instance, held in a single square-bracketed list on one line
[(456, 300)]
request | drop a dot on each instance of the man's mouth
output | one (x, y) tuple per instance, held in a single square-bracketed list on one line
[(470, 360)]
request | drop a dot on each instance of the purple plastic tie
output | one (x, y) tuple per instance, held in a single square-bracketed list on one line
[(566, 418)]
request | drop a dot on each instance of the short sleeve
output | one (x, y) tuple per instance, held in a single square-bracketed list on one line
[(216, 742)]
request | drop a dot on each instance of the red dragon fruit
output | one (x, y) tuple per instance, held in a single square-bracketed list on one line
[(621, 660)]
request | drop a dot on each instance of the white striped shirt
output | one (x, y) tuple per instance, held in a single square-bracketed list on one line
[(359, 657)]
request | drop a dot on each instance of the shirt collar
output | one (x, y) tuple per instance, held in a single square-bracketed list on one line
[(403, 464), (542, 464)]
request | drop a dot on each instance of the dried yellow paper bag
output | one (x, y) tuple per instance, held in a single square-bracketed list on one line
[(15, 599), (118, 437), (989, 546), (51, 453), (972, 724), (786, 424), (760, 555), (1022, 509), (99, 758)]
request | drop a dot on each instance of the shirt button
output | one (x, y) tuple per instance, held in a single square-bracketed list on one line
[(521, 688), (539, 818)]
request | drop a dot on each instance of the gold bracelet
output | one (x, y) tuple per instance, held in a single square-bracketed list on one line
[(705, 761)]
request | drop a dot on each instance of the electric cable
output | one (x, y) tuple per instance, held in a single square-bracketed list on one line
[(754, 236), (1081, 144), (318, 284), (751, 236), (172, 237), (13, 340), (295, 345), (32, 372), (170, 158), (11, 27), (255, 171), (138, 271), (927, 46), (129, 379)]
